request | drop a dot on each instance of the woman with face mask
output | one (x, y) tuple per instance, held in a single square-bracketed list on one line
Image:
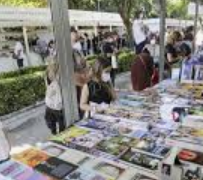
[(98, 92)]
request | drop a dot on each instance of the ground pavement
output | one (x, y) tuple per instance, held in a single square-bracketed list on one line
[(35, 131)]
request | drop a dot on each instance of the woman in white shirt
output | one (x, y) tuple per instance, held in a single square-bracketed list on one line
[(53, 100), (19, 54)]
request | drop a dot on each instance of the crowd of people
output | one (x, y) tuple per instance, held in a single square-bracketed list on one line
[(95, 84)]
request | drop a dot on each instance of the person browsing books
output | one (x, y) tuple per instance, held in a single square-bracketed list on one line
[(98, 92), (53, 100)]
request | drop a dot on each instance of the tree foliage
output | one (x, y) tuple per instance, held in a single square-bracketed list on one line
[(24, 3), (177, 8)]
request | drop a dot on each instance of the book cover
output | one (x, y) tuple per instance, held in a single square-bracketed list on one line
[(151, 148), (142, 177), (191, 157), (54, 150), (142, 160), (94, 124), (56, 168), (193, 121), (192, 173), (68, 135), (75, 157), (116, 146), (198, 111), (86, 174), (4, 178), (17, 171), (89, 140), (12, 169), (31, 157), (187, 135), (110, 170)]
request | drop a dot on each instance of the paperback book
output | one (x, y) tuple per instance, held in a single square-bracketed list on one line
[(192, 173), (87, 141), (140, 159), (191, 157), (56, 168), (193, 121), (95, 124), (187, 138), (17, 171), (151, 148), (86, 174), (67, 136), (109, 170), (142, 177), (53, 149), (116, 146), (31, 157)]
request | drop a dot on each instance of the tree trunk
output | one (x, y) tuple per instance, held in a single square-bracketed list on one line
[(128, 26)]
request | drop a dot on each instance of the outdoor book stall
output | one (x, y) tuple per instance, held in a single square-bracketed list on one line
[(154, 134)]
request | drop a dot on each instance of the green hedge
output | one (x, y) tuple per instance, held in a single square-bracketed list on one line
[(19, 89), (125, 60), (20, 92), (24, 71)]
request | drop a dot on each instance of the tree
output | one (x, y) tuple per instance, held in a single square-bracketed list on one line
[(24, 3), (177, 8)]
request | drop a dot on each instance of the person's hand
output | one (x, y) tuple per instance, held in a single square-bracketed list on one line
[(101, 107)]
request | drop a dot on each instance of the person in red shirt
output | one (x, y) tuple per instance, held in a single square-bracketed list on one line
[(142, 71)]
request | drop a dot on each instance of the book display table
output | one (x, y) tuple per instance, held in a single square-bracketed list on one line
[(156, 134)]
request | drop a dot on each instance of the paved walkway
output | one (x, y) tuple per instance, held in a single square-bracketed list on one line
[(35, 130)]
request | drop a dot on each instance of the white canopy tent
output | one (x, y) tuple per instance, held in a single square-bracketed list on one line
[(154, 23), (14, 17)]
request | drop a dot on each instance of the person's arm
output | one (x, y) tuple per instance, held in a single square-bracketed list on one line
[(171, 58), (171, 54), (84, 104)]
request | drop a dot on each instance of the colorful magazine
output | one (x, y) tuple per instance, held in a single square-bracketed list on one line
[(54, 149), (117, 145), (67, 136), (89, 140), (191, 157), (142, 160), (151, 148), (142, 177), (192, 173), (86, 174), (31, 157), (56, 168), (95, 124), (187, 138), (17, 171), (110, 170), (75, 157)]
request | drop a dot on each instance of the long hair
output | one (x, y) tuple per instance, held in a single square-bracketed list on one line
[(98, 67), (52, 71)]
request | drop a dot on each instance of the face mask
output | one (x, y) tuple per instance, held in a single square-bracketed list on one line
[(106, 77)]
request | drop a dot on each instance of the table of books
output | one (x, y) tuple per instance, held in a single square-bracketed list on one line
[(151, 135)]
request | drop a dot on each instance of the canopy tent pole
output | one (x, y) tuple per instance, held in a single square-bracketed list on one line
[(196, 23), (95, 30), (162, 38), (110, 28), (27, 48), (61, 28)]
